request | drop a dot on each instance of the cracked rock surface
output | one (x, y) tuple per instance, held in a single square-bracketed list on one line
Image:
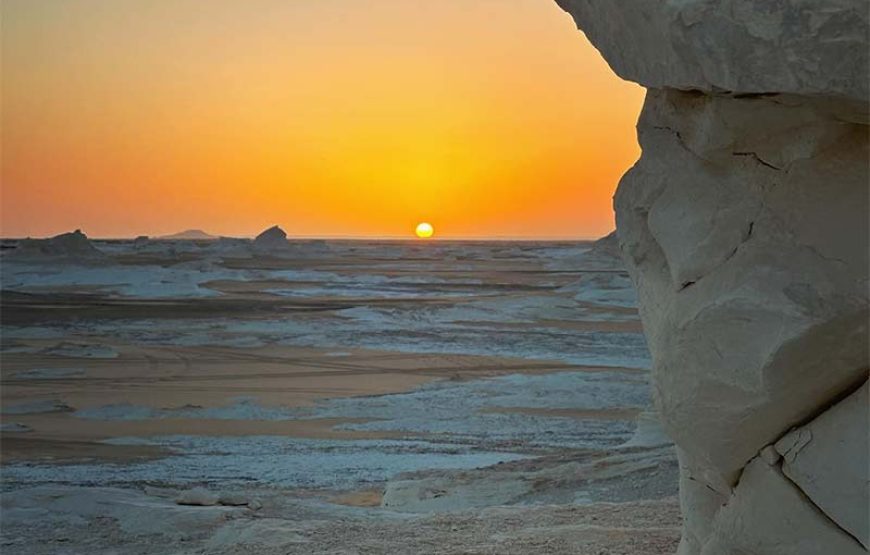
[(745, 227), (828, 457)]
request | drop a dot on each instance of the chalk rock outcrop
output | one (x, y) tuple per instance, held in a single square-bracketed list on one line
[(72, 247), (272, 240), (808, 47), (197, 497), (141, 241), (604, 254), (744, 225)]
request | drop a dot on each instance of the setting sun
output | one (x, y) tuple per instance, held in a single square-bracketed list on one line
[(424, 230), (347, 128)]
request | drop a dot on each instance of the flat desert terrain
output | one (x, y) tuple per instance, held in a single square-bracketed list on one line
[(329, 397)]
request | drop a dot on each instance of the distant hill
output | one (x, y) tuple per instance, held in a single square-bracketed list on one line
[(192, 234)]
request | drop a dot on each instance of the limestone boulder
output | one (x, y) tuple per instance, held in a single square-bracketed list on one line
[(273, 239), (197, 497)]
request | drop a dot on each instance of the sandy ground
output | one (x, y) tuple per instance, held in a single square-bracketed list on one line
[(211, 377), (293, 527), (360, 398)]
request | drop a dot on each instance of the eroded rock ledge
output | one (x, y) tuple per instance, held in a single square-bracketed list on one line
[(745, 227)]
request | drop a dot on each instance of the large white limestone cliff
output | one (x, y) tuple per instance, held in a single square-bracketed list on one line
[(745, 227)]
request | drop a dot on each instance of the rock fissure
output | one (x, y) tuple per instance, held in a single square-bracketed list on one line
[(801, 494), (724, 261), (758, 159), (741, 96), (827, 405), (794, 449), (808, 500)]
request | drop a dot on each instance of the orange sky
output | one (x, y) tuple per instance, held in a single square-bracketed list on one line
[(487, 118)]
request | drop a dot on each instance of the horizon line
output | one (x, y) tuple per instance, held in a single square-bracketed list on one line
[(339, 238)]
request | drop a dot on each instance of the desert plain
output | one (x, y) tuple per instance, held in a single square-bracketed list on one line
[(230, 396)]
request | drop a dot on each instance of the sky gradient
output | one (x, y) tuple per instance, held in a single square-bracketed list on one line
[(487, 118)]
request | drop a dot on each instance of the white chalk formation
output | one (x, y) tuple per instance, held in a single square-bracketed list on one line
[(745, 228), (73, 246), (271, 240)]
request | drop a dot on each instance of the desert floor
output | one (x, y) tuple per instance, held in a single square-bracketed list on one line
[(333, 397)]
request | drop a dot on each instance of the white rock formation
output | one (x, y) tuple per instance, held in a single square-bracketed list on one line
[(604, 255), (808, 47), (71, 247), (198, 497), (272, 240), (607, 247), (745, 228)]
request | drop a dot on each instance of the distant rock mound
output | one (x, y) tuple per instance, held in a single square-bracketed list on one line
[(190, 235), (612, 286), (74, 245), (141, 241), (273, 239), (604, 254), (607, 246)]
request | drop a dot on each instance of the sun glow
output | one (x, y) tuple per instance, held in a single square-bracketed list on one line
[(424, 230), (343, 118)]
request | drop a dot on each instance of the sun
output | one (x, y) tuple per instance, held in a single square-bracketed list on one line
[(424, 230)]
